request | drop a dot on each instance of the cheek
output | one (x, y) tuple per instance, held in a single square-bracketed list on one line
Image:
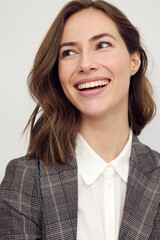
[(63, 73), (66, 70), (117, 63)]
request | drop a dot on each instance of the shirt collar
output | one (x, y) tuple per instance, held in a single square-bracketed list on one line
[(91, 165)]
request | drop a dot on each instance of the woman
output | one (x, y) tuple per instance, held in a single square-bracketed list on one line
[(86, 175)]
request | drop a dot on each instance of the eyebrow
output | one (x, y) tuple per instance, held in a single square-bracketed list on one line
[(92, 39)]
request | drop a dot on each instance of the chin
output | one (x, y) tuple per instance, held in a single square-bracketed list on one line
[(93, 114)]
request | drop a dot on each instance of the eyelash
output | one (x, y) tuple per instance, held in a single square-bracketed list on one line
[(66, 52)]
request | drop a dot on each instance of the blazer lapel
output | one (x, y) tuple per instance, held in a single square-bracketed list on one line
[(60, 199), (143, 194)]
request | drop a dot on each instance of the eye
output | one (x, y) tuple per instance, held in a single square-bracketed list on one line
[(67, 53), (103, 45)]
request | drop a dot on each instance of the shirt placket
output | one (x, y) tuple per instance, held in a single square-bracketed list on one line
[(109, 203)]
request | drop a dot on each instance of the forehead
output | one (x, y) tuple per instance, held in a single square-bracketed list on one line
[(87, 23)]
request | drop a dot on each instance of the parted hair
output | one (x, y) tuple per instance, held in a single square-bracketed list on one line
[(55, 121)]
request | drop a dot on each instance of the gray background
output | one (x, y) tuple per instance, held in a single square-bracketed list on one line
[(23, 24)]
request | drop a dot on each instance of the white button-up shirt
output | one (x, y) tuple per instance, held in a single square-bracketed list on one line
[(101, 192)]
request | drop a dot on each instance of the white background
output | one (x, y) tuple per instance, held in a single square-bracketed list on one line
[(23, 24)]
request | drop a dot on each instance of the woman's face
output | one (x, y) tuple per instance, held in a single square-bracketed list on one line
[(94, 64)]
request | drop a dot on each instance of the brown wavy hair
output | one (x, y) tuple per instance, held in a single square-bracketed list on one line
[(55, 121)]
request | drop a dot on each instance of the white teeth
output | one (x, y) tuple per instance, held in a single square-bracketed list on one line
[(96, 83), (100, 83), (87, 85), (93, 84)]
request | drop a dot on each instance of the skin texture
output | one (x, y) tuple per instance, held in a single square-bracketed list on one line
[(84, 57)]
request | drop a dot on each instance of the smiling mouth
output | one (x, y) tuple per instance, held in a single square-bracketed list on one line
[(92, 85)]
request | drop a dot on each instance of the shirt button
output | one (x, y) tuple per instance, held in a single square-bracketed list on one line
[(112, 228), (110, 170), (109, 182)]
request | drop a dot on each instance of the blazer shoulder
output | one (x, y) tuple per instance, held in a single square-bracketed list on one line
[(20, 173), (145, 158), (155, 155), (23, 165), (151, 153), (24, 168), (153, 159)]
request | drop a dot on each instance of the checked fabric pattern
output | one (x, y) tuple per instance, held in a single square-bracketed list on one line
[(39, 202)]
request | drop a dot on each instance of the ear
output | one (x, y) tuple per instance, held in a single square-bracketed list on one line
[(135, 62)]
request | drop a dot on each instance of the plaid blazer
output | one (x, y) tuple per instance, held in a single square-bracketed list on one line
[(37, 202)]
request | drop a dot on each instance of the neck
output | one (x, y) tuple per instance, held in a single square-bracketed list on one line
[(107, 137)]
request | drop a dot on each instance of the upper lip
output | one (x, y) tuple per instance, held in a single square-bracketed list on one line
[(90, 79)]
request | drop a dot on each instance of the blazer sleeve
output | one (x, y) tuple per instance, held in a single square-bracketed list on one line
[(20, 208)]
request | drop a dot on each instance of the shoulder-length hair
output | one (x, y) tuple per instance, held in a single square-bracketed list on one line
[(55, 121)]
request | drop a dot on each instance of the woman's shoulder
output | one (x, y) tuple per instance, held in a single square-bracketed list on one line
[(24, 161), (152, 158), (142, 148), (146, 159), (23, 165), (27, 169), (20, 173)]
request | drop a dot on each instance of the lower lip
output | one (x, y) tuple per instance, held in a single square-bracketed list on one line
[(92, 93)]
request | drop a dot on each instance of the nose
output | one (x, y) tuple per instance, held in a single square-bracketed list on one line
[(87, 63)]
